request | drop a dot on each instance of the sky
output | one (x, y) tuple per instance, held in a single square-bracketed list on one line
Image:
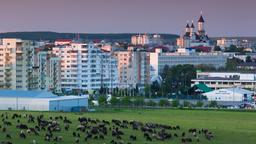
[(223, 17)]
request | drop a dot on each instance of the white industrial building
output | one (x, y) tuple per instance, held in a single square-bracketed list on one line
[(220, 80), (40, 101), (229, 94), (159, 59)]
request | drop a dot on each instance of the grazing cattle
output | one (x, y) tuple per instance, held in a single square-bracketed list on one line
[(8, 136), (30, 125), (22, 135)]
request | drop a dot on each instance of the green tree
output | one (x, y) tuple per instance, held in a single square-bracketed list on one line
[(175, 103), (186, 104), (126, 101), (164, 102), (114, 101), (139, 101), (102, 100), (232, 64), (199, 104), (178, 78), (151, 103), (213, 104), (248, 59), (147, 90), (217, 48)]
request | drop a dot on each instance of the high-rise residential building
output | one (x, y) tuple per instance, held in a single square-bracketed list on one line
[(140, 39), (133, 68), (16, 62), (46, 71), (146, 39), (225, 43), (85, 67)]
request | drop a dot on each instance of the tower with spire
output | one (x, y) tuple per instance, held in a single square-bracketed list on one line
[(193, 38), (201, 30)]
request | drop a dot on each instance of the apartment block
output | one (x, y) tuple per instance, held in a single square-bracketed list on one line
[(133, 68), (85, 67), (16, 61)]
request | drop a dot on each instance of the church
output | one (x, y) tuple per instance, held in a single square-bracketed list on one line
[(192, 38)]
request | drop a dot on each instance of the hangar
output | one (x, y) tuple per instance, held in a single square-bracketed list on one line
[(230, 94), (40, 101)]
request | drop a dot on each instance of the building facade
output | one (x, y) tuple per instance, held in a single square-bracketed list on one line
[(220, 80), (158, 60), (224, 43), (85, 67), (16, 62), (133, 68)]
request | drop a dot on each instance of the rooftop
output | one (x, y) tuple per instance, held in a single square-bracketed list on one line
[(33, 94)]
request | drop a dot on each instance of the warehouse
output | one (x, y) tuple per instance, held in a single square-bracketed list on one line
[(229, 94), (40, 101)]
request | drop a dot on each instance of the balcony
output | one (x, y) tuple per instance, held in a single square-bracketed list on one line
[(8, 73), (8, 84), (8, 79)]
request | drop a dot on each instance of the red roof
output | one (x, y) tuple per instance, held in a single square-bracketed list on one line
[(63, 40)]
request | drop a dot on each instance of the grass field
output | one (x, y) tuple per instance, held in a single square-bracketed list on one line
[(227, 126)]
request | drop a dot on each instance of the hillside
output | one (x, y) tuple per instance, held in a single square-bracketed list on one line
[(54, 35)]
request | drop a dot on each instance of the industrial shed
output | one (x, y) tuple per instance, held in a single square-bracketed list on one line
[(230, 94), (40, 101)]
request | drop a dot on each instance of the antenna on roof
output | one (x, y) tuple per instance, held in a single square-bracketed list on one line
[(201, 12)]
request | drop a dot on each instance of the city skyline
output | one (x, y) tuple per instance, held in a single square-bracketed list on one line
[(133, 16)]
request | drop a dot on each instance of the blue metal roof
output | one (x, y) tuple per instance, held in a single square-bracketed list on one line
[(27, 94)]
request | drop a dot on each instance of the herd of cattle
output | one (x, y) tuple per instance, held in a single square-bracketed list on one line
[(87, 130)]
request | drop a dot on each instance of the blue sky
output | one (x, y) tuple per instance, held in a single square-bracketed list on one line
[(223, 17)]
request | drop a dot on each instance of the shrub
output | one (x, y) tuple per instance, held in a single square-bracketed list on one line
[(164, 102), (126, 101), (139, 101), (151, 103), (175, 103), (186, 104), (213, 104), (102, 100), (199, 104), (114, 101)]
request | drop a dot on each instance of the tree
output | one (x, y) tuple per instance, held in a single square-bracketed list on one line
[(155, 88), (175, 103), (164, 102), (199, 104), (114, 101), (139, 101), (232, 64), (186, 104), (248, 59), (151, 103), (177, 78), (217, 48), (126, 101), (102, 100), (213, 104), (147, 90)]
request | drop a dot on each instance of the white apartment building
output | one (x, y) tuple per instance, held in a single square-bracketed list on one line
[(220, 80), (224, 43), (158, 60), (140, 39), (133, 68), (86, 67), (16, 61)]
